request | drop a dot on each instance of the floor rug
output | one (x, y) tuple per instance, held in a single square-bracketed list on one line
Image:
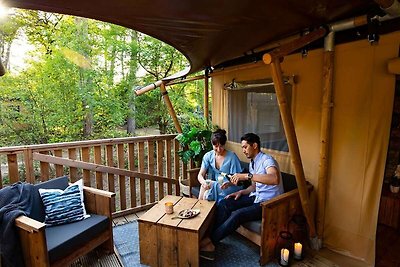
[(234, 250)]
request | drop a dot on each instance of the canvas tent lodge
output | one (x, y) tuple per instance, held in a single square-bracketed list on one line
[(362, 104), (340, 98)]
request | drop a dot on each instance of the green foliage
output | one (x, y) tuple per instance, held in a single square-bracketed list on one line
[(79, 79), (195, 142)]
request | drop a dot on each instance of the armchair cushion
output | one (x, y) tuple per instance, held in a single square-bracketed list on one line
[(254, 226), (64, 239), (63, 206)]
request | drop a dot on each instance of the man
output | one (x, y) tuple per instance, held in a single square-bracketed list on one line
[(244, 205)]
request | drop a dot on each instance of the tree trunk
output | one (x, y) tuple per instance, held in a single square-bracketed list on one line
[(85, 80), (131, 122)]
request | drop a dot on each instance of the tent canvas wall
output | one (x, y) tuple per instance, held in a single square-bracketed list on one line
[(362, 109)]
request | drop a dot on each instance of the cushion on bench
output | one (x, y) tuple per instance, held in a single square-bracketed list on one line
[(64, 239), (254, 226), (289, 182)]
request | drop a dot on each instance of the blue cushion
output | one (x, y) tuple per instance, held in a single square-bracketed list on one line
[(64, 239), (37, 211), (289, 182), (63, 206)]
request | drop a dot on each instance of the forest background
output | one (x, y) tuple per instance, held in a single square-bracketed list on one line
[(79, 78)]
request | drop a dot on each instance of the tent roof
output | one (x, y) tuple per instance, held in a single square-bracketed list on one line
[(208, 32)]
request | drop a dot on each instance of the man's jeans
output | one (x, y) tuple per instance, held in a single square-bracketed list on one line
[(232, 213)]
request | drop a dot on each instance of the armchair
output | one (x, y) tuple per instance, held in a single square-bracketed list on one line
[(62, 244)]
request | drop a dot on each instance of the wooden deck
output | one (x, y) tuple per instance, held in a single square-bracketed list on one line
[(323, 257)]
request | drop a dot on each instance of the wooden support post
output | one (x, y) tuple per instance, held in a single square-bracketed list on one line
[(206, 115), (325, 138), (170, 108), (290, 133)]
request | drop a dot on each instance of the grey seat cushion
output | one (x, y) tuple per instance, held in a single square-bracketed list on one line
[(254, 226), (64, 239)]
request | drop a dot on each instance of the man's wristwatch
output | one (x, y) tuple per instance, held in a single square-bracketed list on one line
[(249, 176)]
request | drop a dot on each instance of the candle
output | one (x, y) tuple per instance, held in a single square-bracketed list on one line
[(297, 250), (169, 207), (284, 257)]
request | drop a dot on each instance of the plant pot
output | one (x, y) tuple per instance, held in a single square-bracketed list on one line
[(394, 189), (184, 185)]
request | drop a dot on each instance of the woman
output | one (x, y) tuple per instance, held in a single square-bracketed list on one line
[(215, 163)]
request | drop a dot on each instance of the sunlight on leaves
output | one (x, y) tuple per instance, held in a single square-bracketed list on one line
[(76, 58)]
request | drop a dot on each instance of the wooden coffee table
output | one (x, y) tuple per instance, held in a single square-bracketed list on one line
[(165, 241)]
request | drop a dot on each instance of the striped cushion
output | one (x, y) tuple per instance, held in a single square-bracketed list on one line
[(63, 206)]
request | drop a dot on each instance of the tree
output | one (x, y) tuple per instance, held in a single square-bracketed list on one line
[(79, 81)]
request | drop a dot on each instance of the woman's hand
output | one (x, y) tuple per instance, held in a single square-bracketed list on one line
[(225, 185), (207, 184)]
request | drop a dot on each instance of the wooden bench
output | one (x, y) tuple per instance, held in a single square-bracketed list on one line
[(276, 213)]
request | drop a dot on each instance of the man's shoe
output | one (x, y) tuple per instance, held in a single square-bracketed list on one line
[(208, 255)]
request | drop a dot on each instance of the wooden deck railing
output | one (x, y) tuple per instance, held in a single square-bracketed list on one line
[(140, 170)]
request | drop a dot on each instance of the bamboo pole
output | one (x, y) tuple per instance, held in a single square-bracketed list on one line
[(288, 48), (290, 133), (206, 97), (170, 108), (148, 88), (178, 81), (328, 68), (274, 60)]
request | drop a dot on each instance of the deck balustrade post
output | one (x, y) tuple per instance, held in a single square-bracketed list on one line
[(28, 161)]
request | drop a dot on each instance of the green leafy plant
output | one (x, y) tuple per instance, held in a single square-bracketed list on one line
[(194, 143)]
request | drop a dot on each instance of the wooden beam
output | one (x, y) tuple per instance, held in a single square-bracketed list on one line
[(328, 67), (394, 66), (100, 168), (290, 133), (170, 108)]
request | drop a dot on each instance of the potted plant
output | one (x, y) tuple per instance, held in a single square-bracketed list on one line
[(195, 142)]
